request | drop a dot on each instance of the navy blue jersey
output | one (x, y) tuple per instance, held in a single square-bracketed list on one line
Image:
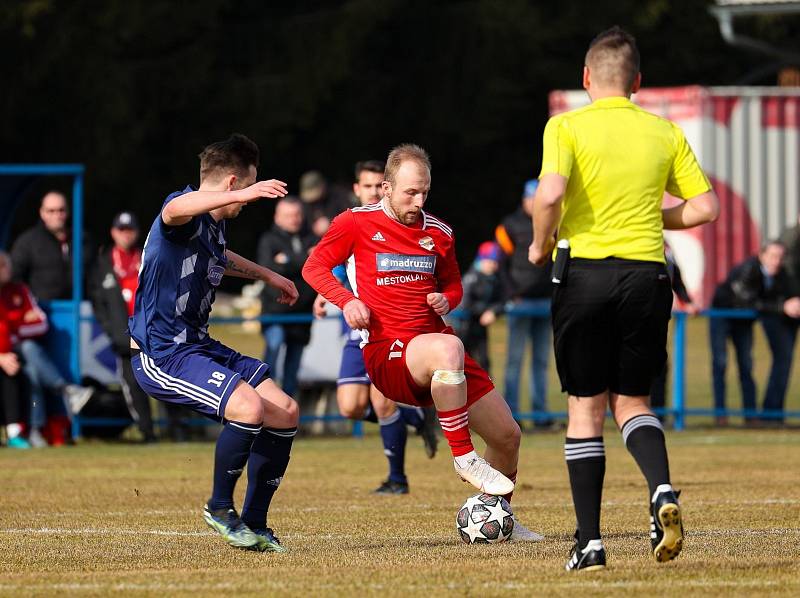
[(181, 269)]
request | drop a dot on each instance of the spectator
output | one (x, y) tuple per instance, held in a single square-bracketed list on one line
[(112, 288), (42, 255), (321, 203), (791, 240), (24, 321), (12, 393), (284, 249), (482, 302), (659, 390), (759, 283), (528, 287)]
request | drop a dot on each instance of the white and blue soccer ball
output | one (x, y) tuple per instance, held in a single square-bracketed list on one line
[(485, 519)]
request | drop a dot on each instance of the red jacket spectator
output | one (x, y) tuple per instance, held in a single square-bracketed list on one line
[(20, 316)]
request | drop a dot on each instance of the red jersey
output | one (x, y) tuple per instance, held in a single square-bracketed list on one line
[(126, 266), (391, 268), (20, 316)]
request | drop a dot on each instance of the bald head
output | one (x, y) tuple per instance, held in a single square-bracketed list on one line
[(613, 60), (53, 212)]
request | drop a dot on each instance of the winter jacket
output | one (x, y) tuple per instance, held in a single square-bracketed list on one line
[(40, 262), (285, 253), (522, 280), (745, 287), (110, 308), (20, 316)]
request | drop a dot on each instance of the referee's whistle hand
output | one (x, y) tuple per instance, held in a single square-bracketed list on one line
[(540, 254), (356, 314), (272, 189)]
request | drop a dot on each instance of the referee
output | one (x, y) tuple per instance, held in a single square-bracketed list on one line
[(605, 168)]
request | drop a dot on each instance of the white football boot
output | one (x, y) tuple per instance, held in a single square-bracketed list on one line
[(483, 476), (520, 533)]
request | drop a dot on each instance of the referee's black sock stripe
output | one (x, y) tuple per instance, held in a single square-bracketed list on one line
[(644, 437), (637, 421), (586, 464)]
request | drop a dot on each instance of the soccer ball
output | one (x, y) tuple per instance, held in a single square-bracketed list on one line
[(485, 519)]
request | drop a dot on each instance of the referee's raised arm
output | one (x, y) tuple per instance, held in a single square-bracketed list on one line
[(605, 168)]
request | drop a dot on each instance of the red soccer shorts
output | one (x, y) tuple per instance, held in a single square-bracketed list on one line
[(386, 366)]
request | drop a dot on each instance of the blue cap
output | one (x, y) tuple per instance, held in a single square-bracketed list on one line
[(530, 188)]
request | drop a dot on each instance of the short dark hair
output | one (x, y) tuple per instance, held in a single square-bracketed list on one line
[(369, 166), (614, 58), (236, 153), (769, 243)]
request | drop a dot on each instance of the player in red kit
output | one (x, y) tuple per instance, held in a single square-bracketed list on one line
[(405, 277)]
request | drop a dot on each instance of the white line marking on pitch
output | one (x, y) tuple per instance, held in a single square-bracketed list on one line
[(174, 533)]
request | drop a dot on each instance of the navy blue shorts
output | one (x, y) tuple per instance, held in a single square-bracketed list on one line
[(201, 377), (352, 370)]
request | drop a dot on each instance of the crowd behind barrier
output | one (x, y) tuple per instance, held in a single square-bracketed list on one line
[(51, 262), (678, 408)]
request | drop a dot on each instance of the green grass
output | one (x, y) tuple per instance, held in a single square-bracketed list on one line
[(100, 518)]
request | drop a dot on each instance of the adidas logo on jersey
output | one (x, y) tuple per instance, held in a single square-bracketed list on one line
[(378, 237)]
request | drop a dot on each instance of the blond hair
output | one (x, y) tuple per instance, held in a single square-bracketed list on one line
[(405, 153)]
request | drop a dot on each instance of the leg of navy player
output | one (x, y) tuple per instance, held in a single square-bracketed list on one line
[(269, 458), (394, 435), (214, 380)]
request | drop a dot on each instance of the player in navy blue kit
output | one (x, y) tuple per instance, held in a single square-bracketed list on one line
[(174, 359), (356, 396)]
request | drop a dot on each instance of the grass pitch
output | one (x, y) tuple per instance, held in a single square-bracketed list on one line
[(98, 519)]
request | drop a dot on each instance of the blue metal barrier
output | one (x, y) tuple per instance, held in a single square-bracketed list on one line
[(678, 409)]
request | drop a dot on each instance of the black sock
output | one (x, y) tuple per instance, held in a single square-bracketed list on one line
[(586, 463), (369, 415), (269, 458), (233, 448), (644, 438)]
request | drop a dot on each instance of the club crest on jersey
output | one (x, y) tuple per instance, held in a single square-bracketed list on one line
[(378, 237), (426, 243), (215, 274), (396, 262)]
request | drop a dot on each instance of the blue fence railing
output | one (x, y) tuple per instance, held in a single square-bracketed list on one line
[(678, 409)]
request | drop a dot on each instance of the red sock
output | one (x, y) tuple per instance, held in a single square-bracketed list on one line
[(513, 478), (455, 425)]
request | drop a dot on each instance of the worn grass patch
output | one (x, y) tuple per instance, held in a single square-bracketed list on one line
[(97, 519)]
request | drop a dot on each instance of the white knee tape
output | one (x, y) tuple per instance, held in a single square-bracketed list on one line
[(449, 376)]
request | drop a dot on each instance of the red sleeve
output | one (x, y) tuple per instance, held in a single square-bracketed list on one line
[(35, 324), (449, 278), (334, 249)]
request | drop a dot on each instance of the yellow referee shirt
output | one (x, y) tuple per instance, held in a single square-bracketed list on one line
[(619, 159)]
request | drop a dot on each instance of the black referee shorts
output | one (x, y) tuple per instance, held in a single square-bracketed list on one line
[(610, 326)]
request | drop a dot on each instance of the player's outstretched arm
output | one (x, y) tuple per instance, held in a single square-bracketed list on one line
[(184, 207), (241, 267), (698, 210), (333, 249), (546, 216)]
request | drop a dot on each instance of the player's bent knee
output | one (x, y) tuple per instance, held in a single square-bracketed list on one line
[(449, 353), (244, 405), (293, 412), (351, 411)]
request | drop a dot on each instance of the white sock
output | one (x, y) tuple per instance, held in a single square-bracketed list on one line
[(463, 460), (593, 545), (660, 490), (13, 430)]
